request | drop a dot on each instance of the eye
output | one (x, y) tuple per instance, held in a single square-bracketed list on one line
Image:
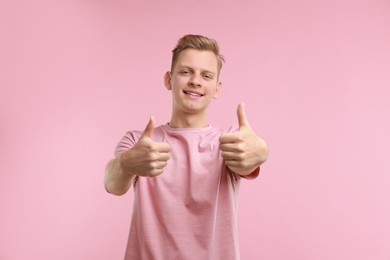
[(208, 76), (185, 72)]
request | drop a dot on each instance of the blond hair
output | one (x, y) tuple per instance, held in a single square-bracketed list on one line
[(197, 42)]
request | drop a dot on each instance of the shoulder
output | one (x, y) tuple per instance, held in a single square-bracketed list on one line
[(128, 140), (131, 137)]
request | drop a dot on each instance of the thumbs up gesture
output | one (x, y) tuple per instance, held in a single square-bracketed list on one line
[(146, 158), (243, 150)]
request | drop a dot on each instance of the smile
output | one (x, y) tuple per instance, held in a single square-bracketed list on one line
[(193, 93)]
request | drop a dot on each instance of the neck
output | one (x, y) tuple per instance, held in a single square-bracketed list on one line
[(188, 120)]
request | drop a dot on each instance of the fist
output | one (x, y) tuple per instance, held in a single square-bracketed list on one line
[(243, 151), (146, 158)]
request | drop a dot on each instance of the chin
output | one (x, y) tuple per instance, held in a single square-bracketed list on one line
[(192, 109)]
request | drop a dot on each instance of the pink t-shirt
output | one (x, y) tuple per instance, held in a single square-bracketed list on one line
[(189, 212)]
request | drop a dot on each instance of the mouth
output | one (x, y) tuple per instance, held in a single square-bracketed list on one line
[(192, 93)]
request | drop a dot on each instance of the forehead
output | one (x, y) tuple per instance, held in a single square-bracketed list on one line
[(198, 59)]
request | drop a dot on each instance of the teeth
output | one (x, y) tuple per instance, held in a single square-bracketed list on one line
[(192, 94)]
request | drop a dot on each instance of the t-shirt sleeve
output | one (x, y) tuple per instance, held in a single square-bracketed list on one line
[(127, 142)]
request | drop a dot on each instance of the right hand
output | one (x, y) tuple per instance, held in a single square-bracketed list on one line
[(146, 158)]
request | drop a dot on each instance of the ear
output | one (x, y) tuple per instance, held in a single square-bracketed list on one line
[(218, 90), (167, 80)]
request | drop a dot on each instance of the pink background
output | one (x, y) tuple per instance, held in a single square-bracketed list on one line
[(315, 77)]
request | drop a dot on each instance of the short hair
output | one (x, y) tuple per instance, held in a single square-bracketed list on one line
[(197, 42)]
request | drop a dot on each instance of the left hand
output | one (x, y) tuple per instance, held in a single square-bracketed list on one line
[(243, 150)]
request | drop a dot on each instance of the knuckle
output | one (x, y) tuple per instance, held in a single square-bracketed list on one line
[(153, 156), (152, 165), (240, 136), (241, 156), (148, 145), (156, 172), (241, 147)]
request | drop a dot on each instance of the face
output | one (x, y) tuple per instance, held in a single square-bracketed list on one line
[(193, 81)]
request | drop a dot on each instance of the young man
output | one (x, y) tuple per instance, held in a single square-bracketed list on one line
[(186, 174)]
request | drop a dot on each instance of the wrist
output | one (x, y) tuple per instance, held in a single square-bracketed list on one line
[(122, 163)]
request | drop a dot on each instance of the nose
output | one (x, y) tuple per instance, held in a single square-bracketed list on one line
[(194, 80)]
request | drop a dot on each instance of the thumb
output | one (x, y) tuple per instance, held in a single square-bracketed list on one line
[(242, 121), (149, 128)]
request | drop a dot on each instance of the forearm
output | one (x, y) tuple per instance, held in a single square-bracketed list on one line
[(116, 181)]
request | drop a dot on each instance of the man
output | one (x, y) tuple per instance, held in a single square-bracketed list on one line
[(186, 174)]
